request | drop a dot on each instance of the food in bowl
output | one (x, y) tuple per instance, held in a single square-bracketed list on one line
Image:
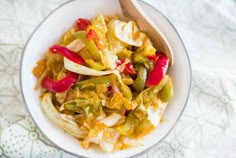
[(104, 83)]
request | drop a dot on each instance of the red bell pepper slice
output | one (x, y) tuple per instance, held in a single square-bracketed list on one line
[(60, 85), (83, 24), (67, 53), (128, 69), (152, 58), (91, 35), (158, 71)]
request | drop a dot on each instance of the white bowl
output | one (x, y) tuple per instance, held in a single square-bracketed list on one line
[(50, 30)]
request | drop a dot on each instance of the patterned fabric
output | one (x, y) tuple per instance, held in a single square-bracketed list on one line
[(207, 127)]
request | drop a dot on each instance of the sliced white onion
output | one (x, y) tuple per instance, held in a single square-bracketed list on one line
[(80, 69)]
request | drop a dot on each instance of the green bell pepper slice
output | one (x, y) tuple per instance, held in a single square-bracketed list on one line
[(156, 89), (167, 92), (150, 92), (125, 90), (139, 83), (139, 57), (128, 127), (98, 80), (94, 65), (89, 44)]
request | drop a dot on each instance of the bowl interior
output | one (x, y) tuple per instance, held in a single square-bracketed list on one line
[(51, 29)]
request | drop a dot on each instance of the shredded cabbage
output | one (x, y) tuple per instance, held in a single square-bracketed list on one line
[(54, 115), (103, 106), (129, 33)]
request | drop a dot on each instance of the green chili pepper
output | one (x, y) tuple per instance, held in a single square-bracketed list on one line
[(139, 83), (98, 80), (95, 65), (89, 44), (167, 92)]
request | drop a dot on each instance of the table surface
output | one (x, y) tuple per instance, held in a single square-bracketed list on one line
[(207, 127)]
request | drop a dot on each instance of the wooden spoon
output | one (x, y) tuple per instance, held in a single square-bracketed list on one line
[(133, 11)]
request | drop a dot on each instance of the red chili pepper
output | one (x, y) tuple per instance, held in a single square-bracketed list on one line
[(152, 58), (83, 24), (91, 35), (60, 85), (158, 71), (128, 69), (68, 54)]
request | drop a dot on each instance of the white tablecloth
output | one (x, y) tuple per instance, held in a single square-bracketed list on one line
[(207, 127)]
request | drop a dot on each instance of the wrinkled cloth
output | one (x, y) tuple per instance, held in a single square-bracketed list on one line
[(207, 128)]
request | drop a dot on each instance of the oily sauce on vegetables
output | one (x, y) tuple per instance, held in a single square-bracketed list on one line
[(104, 83)]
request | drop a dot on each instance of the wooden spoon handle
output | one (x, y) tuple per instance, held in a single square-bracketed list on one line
[(132, 10)]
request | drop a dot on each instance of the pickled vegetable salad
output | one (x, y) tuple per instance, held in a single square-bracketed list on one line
[(104, 83)]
